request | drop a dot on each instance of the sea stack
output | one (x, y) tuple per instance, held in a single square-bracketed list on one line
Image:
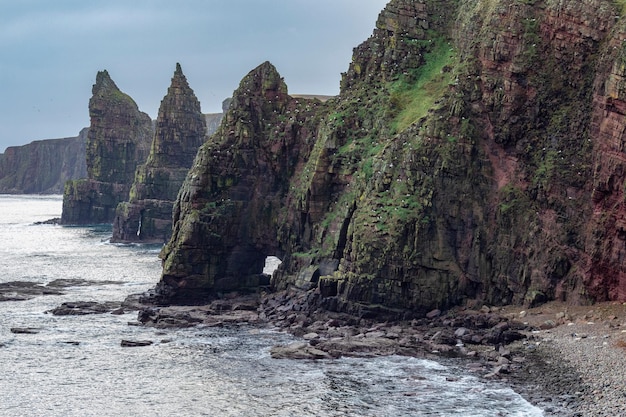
[(118, 141), (180, 130), (227, 213)]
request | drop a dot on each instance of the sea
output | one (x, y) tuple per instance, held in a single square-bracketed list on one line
[(76, 366)]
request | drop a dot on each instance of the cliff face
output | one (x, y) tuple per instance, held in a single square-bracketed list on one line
[(118, 141), (180, 130), (43, 166), (475, 153)]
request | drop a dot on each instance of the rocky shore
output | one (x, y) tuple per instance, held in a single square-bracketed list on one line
[(566, 360)]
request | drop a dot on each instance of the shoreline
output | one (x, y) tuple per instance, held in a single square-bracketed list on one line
[(580, 357), (566, 360)]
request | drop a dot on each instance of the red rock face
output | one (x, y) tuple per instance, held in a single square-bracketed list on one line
[(606, 244), (508, 189)]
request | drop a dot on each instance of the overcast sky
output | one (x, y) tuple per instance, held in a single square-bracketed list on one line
[(51, 51)]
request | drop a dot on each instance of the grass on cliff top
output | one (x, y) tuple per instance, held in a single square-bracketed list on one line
[(414, 94)]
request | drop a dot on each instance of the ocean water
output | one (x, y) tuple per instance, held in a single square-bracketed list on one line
[(75, 366)]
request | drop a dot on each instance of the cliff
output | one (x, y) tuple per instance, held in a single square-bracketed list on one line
[(118, 141), (180, 130), (474, 154), (43, 166)]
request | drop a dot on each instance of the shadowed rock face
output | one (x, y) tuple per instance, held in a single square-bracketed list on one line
[(475, 153), (180, 130), (118, 141), (43, 166), (225, 216)]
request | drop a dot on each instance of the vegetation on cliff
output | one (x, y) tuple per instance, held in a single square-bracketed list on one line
[(475, 153)]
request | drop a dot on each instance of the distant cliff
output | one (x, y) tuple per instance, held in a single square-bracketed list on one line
[(474, 154), (43, 166), (118, 141), (180, 130)]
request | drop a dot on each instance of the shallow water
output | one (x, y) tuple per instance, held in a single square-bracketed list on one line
[(75, 365)]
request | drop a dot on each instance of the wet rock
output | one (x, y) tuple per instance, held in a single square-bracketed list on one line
[(135, 343), (24, 290), (298, 350), (79, 308), (64, 283), (25, 330)]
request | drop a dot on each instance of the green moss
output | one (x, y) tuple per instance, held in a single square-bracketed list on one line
[(416, 92), (621, 6)]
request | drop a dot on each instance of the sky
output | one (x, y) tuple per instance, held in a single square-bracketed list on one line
[(51, 51)]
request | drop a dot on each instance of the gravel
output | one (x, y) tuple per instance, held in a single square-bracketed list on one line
[(576, 369)]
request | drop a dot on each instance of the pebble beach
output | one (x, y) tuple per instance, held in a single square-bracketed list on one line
[(576, 359)]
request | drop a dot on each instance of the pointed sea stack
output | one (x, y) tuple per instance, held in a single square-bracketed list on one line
[(180, 130), (226, 217), (118, 141)]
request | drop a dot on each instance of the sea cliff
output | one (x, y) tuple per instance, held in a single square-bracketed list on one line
[(474, 155), (43, 166)]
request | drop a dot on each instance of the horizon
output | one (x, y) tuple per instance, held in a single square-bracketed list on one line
[(54, 51)]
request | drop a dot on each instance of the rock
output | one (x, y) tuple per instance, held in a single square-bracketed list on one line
[(422, 207), (432, 314), (135, 343), (310, 336), (24, 290), (523, 314), (460, 332), (79, 308), (118, 140), (180, 130), (25, 330), (547, 325), (298, 350)]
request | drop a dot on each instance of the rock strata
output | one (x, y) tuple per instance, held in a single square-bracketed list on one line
[(473, 155), (225, 218), (118, 141), (180, 130)]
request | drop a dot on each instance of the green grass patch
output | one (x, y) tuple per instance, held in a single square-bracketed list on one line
[(415, 93), (621, 6)]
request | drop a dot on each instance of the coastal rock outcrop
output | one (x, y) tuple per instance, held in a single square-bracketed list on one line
[(43, 166), (118, 141), (474, 155), (180, 130), (224, 217)]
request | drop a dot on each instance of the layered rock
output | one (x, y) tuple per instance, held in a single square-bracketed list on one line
[(43, 166), (225, 219), (118, 141), (180, 130), (475, 154)]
